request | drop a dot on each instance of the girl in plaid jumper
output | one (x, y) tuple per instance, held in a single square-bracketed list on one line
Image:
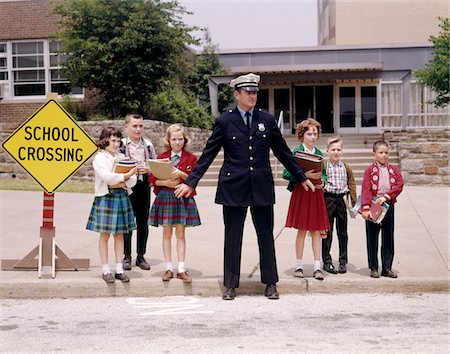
[(172, 212), (111, 211)]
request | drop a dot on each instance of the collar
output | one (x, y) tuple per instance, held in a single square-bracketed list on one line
[(242, 112), (380, 165), (307, 150), (172, 154), (339, 163)]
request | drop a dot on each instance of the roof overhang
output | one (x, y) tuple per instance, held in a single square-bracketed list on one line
[(307, 68)]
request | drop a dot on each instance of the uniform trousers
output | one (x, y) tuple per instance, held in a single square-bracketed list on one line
[(336, 209), (140, 200), (234, 218), (387, 241)]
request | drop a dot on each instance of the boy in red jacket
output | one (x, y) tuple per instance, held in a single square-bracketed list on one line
[(384, 182)]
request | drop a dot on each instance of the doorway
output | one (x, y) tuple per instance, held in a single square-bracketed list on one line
[(315, 102), (356, 109)]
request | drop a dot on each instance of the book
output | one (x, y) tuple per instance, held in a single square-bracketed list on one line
[(124, 165), (309, 162), (161, 168), (378, 211), (349, 206)]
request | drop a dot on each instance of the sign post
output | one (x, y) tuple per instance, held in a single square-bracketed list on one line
[(50, 146)]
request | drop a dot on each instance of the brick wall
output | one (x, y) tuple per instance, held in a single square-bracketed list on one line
[(31, 19)]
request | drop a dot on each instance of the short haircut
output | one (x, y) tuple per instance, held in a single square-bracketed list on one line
[(335, 139), (304, 125), (379, 143), (106, 133), (132, 115), (173, 129)]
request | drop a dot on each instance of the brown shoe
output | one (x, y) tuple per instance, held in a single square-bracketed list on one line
[(388, 273), (167, 275), (184, 276), (374, 273)]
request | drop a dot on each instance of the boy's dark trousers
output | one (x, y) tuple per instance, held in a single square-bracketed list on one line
[(336, 209), (140, 200), (387, 241)]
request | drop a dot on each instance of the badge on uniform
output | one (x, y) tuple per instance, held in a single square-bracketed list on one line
[(261, 127)]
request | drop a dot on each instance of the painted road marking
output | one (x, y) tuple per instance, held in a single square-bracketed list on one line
[(173, 305)]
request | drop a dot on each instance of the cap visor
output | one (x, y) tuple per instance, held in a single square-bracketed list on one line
[(250, 88)]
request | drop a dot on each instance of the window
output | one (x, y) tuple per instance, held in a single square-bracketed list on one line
[(35, 68), (59, 82), (3, 62), (28, 68)]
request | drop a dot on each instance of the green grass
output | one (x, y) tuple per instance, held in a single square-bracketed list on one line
[(30, 185)]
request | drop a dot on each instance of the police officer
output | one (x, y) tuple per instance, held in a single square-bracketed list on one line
[(245, 180)]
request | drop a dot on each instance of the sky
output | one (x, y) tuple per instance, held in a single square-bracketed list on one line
[(253, 24)]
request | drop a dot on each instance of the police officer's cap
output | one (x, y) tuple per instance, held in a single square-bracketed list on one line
[(248, 82)]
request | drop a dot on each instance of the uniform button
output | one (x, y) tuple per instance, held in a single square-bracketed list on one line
[(250, 148), (251, 158), (228, 173), (251, 168), (234, 138), (251, 138)]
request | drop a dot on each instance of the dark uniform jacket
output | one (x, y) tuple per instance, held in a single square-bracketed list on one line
[(245, 178)]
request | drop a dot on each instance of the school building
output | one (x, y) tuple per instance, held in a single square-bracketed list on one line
[(360, 78)]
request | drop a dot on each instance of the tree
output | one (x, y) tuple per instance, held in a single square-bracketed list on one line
[(123, 48), (437, 71), (207, 64)]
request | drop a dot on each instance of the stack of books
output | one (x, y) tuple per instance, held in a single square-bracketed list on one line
[(378, 212), (124, 166)]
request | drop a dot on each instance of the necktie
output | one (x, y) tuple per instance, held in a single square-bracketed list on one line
[(247, 116), (175, 159)]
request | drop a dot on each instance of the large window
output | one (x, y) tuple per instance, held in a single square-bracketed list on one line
[(3, 62), (35, 68)]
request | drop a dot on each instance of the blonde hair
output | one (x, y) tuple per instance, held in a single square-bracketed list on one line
[(304, 125), (333, 140), (174, 128)]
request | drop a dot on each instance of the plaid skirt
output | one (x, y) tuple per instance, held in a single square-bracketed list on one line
[(112, 213), (169, 210)]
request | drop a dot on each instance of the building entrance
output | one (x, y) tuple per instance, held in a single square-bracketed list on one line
[(315, 102)]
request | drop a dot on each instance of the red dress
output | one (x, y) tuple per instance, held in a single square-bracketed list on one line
[(307, 210)]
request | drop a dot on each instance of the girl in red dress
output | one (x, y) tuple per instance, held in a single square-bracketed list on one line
[(172, 212), (307, 210)]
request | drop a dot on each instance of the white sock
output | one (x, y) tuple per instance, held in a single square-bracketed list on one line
[(316, 265), (119, 268), (106, 269), (299, 264), (169, 266), (181, 267)]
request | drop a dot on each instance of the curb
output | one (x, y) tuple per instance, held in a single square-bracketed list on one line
[(95, 287)]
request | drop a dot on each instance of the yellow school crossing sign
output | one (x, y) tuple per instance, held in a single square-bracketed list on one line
[(50, 146)]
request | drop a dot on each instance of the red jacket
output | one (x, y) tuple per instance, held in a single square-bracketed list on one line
[(187, 164), (371, 178)]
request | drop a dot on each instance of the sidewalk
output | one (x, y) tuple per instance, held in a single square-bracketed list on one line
[(421, 259)]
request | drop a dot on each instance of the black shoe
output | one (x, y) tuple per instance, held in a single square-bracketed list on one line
[(342, 268), (229, 294), (329, 268), (388, 273), (126, 263), (271, 292), (122, 277), (142, 263)]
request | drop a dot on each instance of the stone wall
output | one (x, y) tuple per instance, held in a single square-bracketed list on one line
[(423, 155), (154, 131)]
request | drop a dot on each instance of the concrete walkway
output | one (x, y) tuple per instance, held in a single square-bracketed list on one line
[(421, 259)]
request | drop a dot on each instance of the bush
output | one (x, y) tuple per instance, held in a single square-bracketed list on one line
[(173, 105)]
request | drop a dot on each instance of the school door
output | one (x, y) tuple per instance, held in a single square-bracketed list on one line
[(314, 102), (357, 109)]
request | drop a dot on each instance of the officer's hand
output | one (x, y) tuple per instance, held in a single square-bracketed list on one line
[(183, 190), (307, 185)]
